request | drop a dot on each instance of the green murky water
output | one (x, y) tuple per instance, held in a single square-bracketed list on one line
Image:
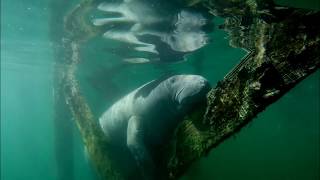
[(282, 143)]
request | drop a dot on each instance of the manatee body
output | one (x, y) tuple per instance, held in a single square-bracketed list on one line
[(147, 116), (165, 30)]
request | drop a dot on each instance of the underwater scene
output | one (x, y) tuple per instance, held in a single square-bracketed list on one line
[(160, 89)]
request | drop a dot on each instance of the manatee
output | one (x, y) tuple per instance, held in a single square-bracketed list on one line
[(155, 27), (147, 117)]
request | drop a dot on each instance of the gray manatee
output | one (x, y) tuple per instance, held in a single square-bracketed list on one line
[(147, 116), (161, 29)]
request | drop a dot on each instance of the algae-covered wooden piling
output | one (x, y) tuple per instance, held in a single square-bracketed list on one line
[(283, 46)]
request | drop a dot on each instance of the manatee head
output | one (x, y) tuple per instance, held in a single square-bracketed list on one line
[(188, 90), (187, 41)]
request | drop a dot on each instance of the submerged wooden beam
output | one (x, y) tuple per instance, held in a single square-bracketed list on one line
[(63, 126), (76, 32), (284, 49), (283, 45)]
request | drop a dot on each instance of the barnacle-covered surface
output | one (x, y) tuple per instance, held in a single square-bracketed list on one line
[(282, 45)]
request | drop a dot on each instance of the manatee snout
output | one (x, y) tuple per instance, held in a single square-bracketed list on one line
[(203, 83), (192, 90), (205, 86), (198, 84)]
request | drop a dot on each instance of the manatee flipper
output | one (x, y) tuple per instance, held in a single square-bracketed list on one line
[(112, 7), (138, 149), (111, 21), (136, 60)]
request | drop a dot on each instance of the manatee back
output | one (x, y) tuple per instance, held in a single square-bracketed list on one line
[(114, 121), (158, 110)]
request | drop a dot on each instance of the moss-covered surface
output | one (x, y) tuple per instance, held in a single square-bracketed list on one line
[(77, 30), (284, 49), (283, 46)]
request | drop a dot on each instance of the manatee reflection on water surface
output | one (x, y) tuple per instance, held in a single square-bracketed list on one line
[(153, 31)]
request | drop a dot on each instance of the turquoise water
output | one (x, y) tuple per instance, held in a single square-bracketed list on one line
[(281, 143)]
